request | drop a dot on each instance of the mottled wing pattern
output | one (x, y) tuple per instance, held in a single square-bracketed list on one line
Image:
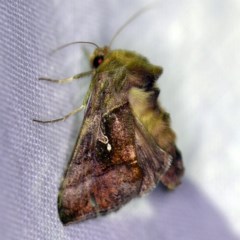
[(101, 176)]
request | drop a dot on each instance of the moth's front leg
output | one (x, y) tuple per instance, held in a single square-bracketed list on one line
[(62, 118), (67, 80)]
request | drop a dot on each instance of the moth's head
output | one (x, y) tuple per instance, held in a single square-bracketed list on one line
[(98, 56)]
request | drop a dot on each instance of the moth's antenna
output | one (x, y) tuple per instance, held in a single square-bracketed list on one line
[(71, 43), (137, 14)]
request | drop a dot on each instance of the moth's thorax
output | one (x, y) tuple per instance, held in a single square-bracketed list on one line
[(104, 59)]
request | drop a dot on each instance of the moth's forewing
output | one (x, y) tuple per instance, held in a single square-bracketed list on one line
[(117, 156), (102, 177), (99, 180)]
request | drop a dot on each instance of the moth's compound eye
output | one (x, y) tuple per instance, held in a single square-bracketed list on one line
[(97, 61)]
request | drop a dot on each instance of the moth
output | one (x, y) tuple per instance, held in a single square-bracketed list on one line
[(126, 146)]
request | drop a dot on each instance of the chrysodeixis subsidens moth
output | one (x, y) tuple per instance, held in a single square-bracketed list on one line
[(126, 145)]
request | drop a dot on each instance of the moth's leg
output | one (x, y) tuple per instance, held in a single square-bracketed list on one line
[(62, 118), (85, 102), (67, 80)]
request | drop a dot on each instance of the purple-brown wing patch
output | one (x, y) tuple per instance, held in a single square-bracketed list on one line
[(101, 176)]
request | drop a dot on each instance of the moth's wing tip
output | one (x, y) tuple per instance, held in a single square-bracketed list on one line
[(68, 215), (62, 212), (65, 217)]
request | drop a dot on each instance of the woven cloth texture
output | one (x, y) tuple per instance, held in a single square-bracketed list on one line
[(33, 156)]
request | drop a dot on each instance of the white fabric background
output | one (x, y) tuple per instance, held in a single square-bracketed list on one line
[(197, 43)]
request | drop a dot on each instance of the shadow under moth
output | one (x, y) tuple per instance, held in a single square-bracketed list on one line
[(126, 146)]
